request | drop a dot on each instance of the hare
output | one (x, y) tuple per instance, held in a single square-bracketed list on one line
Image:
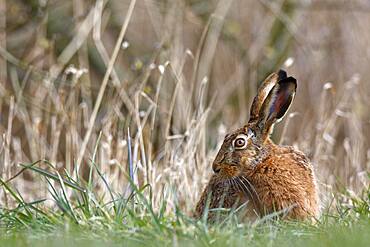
[(251, 170)]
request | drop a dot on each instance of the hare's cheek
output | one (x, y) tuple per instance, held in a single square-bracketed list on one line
[(248, 158)]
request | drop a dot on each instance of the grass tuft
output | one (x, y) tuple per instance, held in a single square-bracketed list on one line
[(86, 219)]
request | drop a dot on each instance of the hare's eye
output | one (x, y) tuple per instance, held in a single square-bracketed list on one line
[(240, 142)]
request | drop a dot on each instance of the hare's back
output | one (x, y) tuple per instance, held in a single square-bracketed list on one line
[(286, 179)]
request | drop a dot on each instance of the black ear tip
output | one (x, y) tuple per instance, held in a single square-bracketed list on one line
[(282, 74), (293, 80), (289, 80)]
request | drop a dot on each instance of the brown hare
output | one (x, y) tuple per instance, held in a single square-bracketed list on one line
[(251, 170)]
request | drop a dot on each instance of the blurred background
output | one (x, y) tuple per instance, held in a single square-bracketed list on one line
[(75, 83)]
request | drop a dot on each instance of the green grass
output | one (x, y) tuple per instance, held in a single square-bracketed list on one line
[(85, 219)]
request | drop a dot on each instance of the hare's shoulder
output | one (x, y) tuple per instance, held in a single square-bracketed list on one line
[(290, 155)]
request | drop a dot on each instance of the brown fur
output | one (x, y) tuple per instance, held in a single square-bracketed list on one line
[(266, 177)]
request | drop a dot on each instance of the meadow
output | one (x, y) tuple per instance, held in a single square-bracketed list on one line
[(111, 113)]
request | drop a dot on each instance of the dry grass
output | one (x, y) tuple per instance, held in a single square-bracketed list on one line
[(183, 77)]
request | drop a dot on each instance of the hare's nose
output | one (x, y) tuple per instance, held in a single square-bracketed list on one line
[(216, 168)]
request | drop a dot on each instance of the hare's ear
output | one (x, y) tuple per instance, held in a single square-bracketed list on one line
[(262, 93), (275, 105)]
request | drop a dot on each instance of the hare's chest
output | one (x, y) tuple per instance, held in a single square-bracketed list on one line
[(247, 209)]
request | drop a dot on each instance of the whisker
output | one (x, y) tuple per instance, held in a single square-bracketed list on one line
[(234, 183), (244, 188), (254, 196), (229, 182), (252, 187)]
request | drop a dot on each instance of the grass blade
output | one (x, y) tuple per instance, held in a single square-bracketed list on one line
[(53, 176)]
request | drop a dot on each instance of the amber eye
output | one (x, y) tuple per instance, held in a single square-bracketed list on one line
[(240, 142)]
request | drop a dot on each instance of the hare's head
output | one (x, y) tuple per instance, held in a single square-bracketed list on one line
[(244, 148)]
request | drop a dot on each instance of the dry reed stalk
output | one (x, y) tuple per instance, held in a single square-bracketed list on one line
[(104, 84), (3, 65)]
